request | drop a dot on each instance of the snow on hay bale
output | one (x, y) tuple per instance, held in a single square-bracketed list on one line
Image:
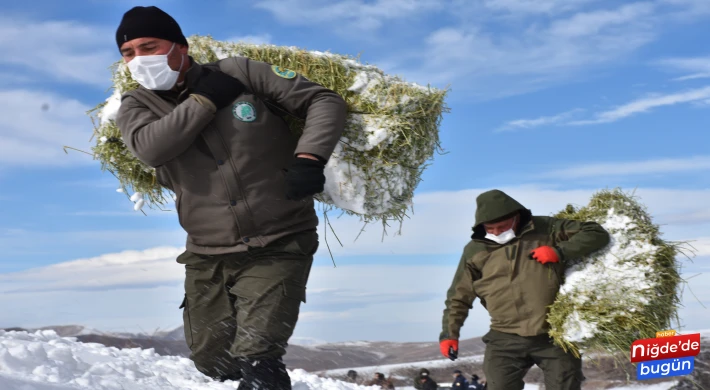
[(392, 129), (624, 292)]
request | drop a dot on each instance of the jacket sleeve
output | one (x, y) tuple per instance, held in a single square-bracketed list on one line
[(154, 140), (324, 110), (459, 300), (578, 239)]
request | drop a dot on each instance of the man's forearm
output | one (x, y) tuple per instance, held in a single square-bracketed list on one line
[(579, 239), (155, 140)]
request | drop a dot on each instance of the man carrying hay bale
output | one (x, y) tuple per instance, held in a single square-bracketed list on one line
[(244, 189), (514, 265)]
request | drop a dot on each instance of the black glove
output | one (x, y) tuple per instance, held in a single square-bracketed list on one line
[(304, 178), (219, 87)]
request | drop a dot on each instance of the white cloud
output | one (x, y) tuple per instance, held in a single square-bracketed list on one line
[(691, 216), (701, 247), (54, 245), (591, 23), (440, 228), (138, 290), (534, 6), (686, 10), (698, 97), (442, 221), (698, 67), (648, 167), (253, 39), (647, 104), (32, 136), (498, 48), (503, 61), (537, 122), (694, 76), (63, 50), (342, 303), (130, 268), (14, 79), (349, 14)]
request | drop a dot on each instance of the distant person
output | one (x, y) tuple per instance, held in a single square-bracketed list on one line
[(379, 380), (460, 381), (514, 264), (352, 376), (475, 383), (417, 378), (426, 383)]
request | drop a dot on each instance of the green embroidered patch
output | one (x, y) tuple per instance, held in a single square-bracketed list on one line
[(283, 72), (244, 111)]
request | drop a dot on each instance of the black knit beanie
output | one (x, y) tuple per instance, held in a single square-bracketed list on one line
[(148, 22)]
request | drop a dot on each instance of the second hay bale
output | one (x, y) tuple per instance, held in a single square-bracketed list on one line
[(626, 291)]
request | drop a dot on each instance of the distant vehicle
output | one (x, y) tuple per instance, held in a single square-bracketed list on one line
[(445, 386)]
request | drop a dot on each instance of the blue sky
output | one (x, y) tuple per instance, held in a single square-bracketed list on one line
[(549, 99)]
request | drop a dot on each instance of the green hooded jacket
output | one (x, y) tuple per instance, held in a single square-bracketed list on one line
[(515, 289)]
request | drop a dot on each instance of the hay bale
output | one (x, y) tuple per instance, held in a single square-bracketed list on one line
[(627, 291), (392, 129)]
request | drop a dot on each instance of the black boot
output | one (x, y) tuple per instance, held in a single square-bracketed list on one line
[(231, 377), (265, 374)]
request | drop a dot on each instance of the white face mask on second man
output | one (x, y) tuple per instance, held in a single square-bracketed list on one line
[(504, 237), (153, 72)]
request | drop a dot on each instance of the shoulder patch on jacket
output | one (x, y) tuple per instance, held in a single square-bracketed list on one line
[(283, 72)]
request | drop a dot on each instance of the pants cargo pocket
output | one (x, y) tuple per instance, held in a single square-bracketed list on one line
[(187, 327), (267, 312), (294, 291), (294, 294)]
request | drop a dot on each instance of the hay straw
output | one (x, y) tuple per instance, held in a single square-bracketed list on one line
[(627, 291), (392, 130)]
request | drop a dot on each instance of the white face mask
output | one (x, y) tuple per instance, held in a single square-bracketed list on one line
[(153, 72), (504, 237)]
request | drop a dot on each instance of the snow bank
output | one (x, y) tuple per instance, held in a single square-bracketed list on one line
[(45, 361)]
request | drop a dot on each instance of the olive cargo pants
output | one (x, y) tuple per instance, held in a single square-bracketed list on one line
[(245, 304), (508, 358)]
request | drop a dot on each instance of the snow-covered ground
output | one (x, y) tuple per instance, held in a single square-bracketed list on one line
[(44, 361)]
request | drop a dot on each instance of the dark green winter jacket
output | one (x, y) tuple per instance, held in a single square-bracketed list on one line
[(515, 289)]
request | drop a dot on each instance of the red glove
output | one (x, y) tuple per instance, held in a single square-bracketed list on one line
[(544, 255), (449, 348)]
